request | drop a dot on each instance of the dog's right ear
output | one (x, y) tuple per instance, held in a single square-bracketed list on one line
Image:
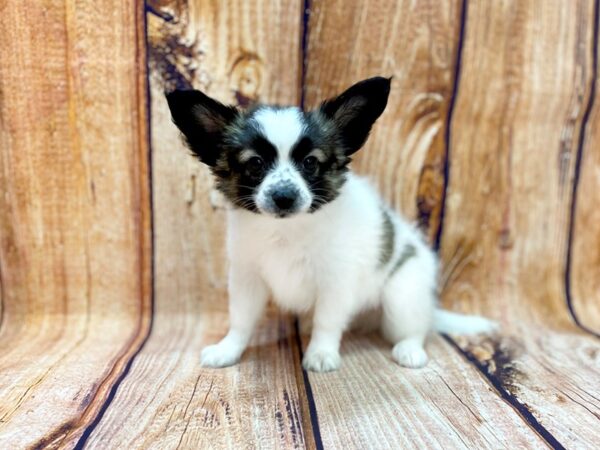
[(355, 111), (202, 120)]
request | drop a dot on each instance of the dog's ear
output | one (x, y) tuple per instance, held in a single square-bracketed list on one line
[(202, 120), (355, 111)]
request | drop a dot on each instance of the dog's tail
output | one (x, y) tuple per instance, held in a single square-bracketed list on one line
[(455, 323)]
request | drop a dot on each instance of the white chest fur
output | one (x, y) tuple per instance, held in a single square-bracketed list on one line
[(300, 258)]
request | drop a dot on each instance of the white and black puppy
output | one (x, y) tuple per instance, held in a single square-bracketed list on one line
[(308, 233)]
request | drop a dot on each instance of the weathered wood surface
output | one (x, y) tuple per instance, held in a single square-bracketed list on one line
[(514, 141), (416, 43), (74, 213), (373, 403), (168, 400), (585, 238), (75, 223)]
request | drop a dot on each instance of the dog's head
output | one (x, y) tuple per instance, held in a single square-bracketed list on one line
[(276, 160)]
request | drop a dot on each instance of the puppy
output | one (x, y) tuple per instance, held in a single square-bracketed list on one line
[(310, 234)]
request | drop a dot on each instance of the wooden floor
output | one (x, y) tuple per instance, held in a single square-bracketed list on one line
[(112, 267)]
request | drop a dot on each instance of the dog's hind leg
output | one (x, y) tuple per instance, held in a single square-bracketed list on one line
[(408, 305)]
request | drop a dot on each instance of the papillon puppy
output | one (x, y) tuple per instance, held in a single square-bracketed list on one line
[(308, 233)]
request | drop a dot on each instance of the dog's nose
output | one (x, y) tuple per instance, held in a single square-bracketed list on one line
[(284, 198)]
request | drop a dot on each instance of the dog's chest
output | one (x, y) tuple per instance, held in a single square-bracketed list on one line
[(290, 269)]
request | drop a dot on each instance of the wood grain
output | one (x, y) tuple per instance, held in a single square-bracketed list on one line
[(514, 140), (585, 251), (416, 43), (238, 52), (80, 362), (74, 213), (371, 402)]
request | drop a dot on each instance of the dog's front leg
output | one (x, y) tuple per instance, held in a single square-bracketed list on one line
[(331, 317), (248, 296)]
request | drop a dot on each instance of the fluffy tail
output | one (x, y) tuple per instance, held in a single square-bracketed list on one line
[(454, 323)]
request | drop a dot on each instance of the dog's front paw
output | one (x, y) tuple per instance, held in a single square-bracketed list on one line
[(321, 360), (222, 354), (410, 354)]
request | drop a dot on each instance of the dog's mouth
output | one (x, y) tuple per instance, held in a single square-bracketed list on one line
[(280, 213), (283, 203), (284, 214)]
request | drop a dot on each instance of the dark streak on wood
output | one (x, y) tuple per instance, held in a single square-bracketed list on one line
[(497, 358), (577, 172), (291, 412), (142, 56), (87, 399), (303, 52), (187, 423), (113, 390), (429, 194), (173, 58), (308, 408), (54, 438), (451, 105), (226, 409), (595, 414), (158, 13), (521, 408)]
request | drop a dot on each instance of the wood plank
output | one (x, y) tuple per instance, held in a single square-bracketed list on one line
[(585, 250), (74, 213), (371, 402), (514, 139), (415, 42), (168, 400), (237, 51)]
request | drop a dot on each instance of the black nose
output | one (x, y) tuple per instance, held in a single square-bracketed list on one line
[(284, 198)]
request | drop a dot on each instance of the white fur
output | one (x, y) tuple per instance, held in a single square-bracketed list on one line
[(282, 127), (327, 263)]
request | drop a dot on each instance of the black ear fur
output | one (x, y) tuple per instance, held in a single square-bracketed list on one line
[(201, 119), (356, 110)]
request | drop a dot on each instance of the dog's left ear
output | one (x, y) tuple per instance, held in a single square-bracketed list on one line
[(202, 121), (355, 111)]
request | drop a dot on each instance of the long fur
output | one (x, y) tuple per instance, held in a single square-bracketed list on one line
[(311, 235)]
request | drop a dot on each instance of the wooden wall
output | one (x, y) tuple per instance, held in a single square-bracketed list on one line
[(490, 142), (74, 212)]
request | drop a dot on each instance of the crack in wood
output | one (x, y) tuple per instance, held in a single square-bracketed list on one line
[(187, 407), (521, 408), (449, 117), (577, 173)]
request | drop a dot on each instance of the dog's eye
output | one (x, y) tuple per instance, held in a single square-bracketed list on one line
[(310, 164), (255, 166)]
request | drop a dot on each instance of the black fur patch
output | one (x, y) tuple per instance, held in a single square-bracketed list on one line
[(217, 134), (387, 240), (326, 181), (355, 111), (408, 252), (233, 178)]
